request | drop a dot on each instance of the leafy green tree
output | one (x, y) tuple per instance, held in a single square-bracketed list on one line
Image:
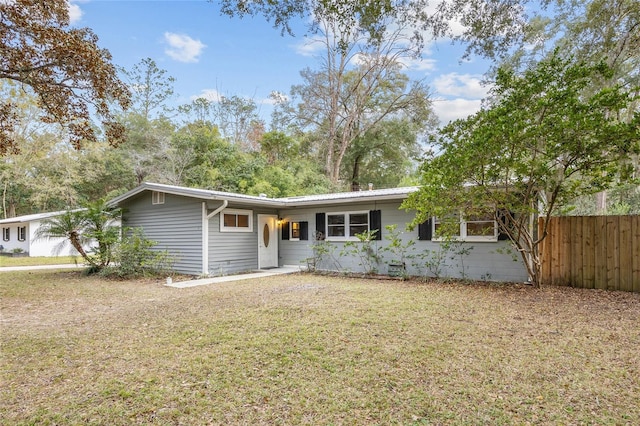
[(546, 139), (102, 172), (384, 156), (488, 27), (36, 40), (150, 88), (277, 147), (289, 170), (149, 129), (592, 31)]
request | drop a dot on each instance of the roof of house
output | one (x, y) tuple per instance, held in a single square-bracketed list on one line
[(32, 217), (347, 197), (203, 194), (303, 200)]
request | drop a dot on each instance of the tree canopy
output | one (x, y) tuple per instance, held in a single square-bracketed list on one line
[(547, 138), (490, 27), (64, 67)]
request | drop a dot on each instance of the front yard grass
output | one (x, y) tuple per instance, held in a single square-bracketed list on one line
[(305, 349), (31, 261)]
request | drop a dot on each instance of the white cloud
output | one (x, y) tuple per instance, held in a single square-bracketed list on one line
[(310, 46), (75, 13), (468, 86), (183, 48), (452, 109), (419, 64), (212, 95)]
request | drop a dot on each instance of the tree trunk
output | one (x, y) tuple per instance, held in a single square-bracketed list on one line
[(601, 203), (355, 176), (75, 242)]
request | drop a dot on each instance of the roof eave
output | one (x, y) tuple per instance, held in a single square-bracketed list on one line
[(350, 200), (193, 193)]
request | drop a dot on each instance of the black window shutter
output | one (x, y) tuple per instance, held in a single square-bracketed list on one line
[(320, 226), (502, 219), (375, 223), (285, 231), (424, 230), (304, 230)]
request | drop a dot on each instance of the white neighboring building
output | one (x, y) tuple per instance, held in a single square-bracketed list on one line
[(19, 233)]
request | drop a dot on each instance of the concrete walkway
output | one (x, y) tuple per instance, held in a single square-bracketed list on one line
[(287, 269), (258, 274), (37, 267)]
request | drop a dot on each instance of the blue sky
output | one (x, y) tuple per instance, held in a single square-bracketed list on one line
[(210, 54)]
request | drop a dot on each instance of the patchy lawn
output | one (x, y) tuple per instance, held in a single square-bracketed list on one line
[(30, 261), (305, 349)]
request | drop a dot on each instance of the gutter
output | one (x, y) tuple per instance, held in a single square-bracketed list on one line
[(205, 233), (224, 205)]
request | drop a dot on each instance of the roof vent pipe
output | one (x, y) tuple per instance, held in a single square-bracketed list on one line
[(370, 187)]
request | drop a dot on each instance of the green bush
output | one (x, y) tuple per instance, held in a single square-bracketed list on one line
[(134, 256)]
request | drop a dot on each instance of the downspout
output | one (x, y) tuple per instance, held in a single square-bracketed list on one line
[(205, 233)]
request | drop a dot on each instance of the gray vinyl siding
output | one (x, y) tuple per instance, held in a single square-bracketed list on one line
[(485, 260), (175, 225), (234, 252)]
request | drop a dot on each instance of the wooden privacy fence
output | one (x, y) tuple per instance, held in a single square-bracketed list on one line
[(592, 252)]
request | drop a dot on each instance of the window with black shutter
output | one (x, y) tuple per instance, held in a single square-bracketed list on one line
[(425, 230), (320, 226), (375, 223)]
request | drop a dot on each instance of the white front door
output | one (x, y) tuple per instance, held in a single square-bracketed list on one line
[(267, 241)]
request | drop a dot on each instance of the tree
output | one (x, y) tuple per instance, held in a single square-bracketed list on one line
[(373, 159), (95, 223), (488, 27), (100, 227), (69, 226), (547, 138), (278, 148), (150, 88), (358, 87), (148, 127), (591, 31), (238, 121), (36, 41)]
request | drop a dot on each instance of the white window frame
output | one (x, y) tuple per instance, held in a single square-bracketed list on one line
[(6, 234), (236, 212), (347, 225), (462, 236), (291, 237), (22, 233), (157, 197)]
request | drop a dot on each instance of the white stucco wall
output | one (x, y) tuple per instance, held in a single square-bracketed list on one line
[(46, 247)]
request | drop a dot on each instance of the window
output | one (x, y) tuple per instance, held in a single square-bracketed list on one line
[(236, 221), (344, 226), (22, 233), (472, 228), (6, 234), (157, 197), (295, 231)]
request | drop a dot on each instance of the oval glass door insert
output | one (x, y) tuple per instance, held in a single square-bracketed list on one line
[(265, 235)]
